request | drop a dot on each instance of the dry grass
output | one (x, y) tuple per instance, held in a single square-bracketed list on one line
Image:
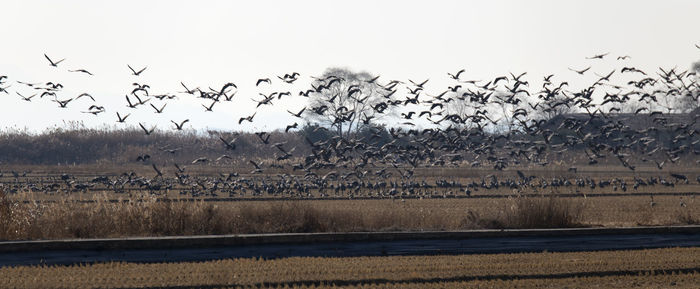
[(152, 218), (658, 268), (551, 212)]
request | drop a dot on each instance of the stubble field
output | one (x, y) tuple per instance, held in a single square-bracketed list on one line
[(657, 268)]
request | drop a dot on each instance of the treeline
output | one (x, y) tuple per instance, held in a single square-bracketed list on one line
[(89, 146)]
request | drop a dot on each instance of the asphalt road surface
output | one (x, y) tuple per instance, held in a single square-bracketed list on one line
[(175, 249)]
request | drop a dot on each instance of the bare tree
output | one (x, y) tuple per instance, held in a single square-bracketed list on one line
[(682, 93), (462, 107), (556, 105), (347, 101)]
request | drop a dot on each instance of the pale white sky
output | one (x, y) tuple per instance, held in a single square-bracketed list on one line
[(209, 43)]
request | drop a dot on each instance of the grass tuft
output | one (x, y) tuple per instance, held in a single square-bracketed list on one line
[(551, 212)]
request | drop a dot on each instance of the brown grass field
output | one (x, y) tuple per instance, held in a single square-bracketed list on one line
[(28, 215), (153, 218), (655, 268)]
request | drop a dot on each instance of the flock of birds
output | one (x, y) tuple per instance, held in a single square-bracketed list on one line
[(499, 123)]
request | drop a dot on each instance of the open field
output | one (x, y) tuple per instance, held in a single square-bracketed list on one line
[(656, 268)]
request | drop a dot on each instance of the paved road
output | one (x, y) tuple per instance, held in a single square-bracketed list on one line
[(332, 245)]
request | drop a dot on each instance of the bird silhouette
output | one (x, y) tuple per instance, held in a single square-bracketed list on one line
[(200, 160), (263, 80), (598, 56), (159, 110), (26, 98), (298, 114), (257, 167), (158, 172), (248, 118), (230, 145), (85, 95), (419, 84), (63, 103), (54, 64), (291, 126), (82, 71), (581, 72), (147, 131), (210, 107), (122, 119), (178, 126), (134, 72), (456, 75)]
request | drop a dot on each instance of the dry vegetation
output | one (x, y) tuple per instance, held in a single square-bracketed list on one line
[(157, 218), (657, 268)]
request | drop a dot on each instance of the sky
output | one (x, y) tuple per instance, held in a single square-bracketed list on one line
[(210, 43)]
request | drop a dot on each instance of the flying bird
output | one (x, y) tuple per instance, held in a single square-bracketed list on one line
[(419, 84), (257, 167), (81, 70), (147, 131), (598, 56), (94, 109), (291, 126), (581, 72), (180, 125), (158, 110), (226, 86), (122, 119), (289, 78), (187, 90), (372, 80), (223, 157), (261, 80), (248, 118), (62, 103), (54, 64), (134, 72), (28, 83), (456, 75), (210, 107), (158, 172), (230, 145), (29, 98), (4, 89), (86, 95), (298, 114), (200, 160)]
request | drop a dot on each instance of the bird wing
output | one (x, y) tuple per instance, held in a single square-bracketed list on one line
[(143, 127), (49, 59)]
